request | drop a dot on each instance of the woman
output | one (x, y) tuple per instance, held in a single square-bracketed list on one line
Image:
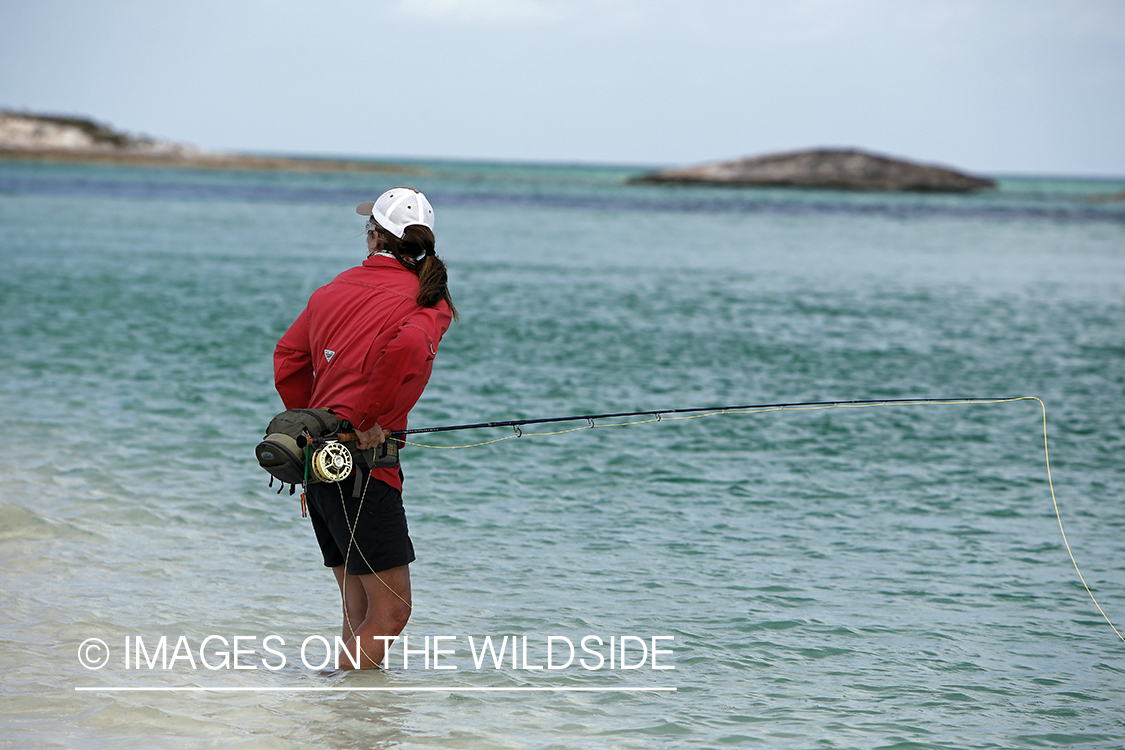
[(364, 347)]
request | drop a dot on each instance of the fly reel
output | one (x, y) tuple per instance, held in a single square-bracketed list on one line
[(331, 462)]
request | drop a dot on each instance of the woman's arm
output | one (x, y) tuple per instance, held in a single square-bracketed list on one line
[(292, 365)]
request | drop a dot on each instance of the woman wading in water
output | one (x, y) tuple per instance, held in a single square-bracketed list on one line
[(364, 347)]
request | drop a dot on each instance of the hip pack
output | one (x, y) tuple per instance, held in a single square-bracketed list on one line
[(283, 452), (305, 446)]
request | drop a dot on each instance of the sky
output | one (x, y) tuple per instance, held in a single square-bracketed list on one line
[(1020, 87)]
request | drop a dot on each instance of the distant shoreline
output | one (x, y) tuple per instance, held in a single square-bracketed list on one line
[(58, 139), (204, 161), (65, 139)]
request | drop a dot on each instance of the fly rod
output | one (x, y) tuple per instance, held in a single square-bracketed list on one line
[(717, 409), (517, 423)]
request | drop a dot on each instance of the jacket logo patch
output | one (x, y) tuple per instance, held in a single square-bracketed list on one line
[(329, 354)]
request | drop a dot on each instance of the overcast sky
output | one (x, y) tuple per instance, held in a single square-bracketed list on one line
[(992, 86)]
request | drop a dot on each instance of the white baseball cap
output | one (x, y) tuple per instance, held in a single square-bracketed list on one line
[(399, 208)]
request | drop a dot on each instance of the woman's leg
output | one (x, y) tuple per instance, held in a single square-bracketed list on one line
[(386, 599), (354, 600)]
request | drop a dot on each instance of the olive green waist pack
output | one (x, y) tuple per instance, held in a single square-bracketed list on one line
[(297, 436)]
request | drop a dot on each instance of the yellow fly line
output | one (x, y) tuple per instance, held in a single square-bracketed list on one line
[(658, 417)]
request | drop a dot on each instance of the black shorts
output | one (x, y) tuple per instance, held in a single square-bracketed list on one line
[(378, 541)]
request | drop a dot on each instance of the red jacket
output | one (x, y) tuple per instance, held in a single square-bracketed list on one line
[(362, 348)]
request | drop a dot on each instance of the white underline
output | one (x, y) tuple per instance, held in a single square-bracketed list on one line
[(193, 689)]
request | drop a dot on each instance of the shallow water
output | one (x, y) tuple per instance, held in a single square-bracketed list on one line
[(875, 577)]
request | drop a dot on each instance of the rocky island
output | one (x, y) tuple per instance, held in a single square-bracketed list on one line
[(834, 169), (39, 137)]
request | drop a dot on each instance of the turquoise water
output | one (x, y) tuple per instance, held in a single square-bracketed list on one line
[(846, 578)]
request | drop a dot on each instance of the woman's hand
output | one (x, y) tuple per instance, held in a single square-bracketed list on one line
[(370, 438)]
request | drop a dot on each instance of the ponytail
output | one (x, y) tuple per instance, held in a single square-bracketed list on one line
[(415, 251)]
